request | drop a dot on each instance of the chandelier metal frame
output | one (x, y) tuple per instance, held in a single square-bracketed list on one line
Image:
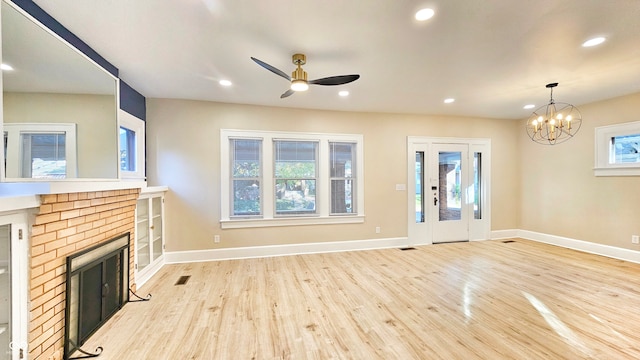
[(555, 122)]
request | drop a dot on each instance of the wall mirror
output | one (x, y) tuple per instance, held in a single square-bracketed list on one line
[(59, 107)]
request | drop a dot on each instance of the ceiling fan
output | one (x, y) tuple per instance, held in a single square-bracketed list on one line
[(298, 78)]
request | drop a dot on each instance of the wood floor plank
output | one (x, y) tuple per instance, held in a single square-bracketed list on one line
[(479, 300)]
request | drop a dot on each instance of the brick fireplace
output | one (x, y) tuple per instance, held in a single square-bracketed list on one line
[(66, 224)]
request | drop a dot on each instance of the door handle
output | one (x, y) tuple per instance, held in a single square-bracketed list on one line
[(435, 201)]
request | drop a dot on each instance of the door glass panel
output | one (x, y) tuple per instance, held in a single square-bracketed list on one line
[(419, 186), (142, 230), (477, 186), (449, 185), (5, 292), (157, 227)]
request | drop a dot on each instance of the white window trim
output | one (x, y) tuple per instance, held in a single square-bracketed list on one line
[(136, 125), (268, 217), (603, 135), (14, 158)]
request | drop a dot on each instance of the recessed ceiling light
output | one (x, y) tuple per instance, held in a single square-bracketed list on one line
[(449, 100), (593, 42), (527, 107), (225, 82), (424, 14), (6, 67), (343, 93)]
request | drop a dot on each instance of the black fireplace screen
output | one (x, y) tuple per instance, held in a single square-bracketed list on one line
[(97, 287)]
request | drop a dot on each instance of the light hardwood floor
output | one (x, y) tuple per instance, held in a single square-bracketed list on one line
[(480, 300)]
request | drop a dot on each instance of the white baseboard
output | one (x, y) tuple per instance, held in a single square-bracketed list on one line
[(586, 246), (174, 257), (504, 234), (147, 273)]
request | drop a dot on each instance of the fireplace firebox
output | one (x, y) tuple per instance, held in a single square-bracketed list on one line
[(97, 287)]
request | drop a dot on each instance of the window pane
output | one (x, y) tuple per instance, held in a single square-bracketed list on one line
[(625, 149), (246, 197), (420, 187), (342, 197), (43, 156), (295, 172), (295, 159), (477, 186), (449, 180), (246, 158), (295, 196), (127, 149), (342, 169), (341, 159)]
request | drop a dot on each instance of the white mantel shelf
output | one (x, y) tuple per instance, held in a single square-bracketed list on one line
[(11, 189)]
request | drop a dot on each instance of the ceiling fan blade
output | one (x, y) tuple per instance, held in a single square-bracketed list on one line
[(271, 68), (287, 93), (335, 80)]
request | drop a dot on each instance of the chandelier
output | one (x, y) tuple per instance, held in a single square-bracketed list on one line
[(555, 122)]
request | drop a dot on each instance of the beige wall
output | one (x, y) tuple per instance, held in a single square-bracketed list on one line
[(560, 194), (95, 116), (183, 149)]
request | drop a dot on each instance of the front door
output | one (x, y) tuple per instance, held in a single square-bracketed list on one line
[(449, 192)]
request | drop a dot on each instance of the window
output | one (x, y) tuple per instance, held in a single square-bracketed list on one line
[(284, 178), (246, 176), (342, 162), (295, 176), (40, 151), (127, 149), (131, 146), (618, 150)]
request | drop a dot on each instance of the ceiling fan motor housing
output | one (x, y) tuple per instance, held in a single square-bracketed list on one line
[(299, 74)]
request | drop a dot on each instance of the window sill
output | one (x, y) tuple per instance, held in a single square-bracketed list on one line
[(258, 223), (617, 171)]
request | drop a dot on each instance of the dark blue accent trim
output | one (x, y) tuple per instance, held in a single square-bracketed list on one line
[(47, 20), (132, 101)]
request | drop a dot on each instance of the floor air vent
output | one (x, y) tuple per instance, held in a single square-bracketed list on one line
[(183, 280), (407, 248), (508, 241)]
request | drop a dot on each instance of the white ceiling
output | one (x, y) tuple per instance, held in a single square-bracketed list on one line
[(492, 56)]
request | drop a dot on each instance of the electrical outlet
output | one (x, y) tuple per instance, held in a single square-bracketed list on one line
[(216, 238), (377, 229), (635, 239)]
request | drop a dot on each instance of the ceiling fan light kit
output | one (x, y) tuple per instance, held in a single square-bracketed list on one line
[(555, 122), (298, 78)]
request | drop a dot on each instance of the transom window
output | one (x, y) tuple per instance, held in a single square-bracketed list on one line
[(281, 179)]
